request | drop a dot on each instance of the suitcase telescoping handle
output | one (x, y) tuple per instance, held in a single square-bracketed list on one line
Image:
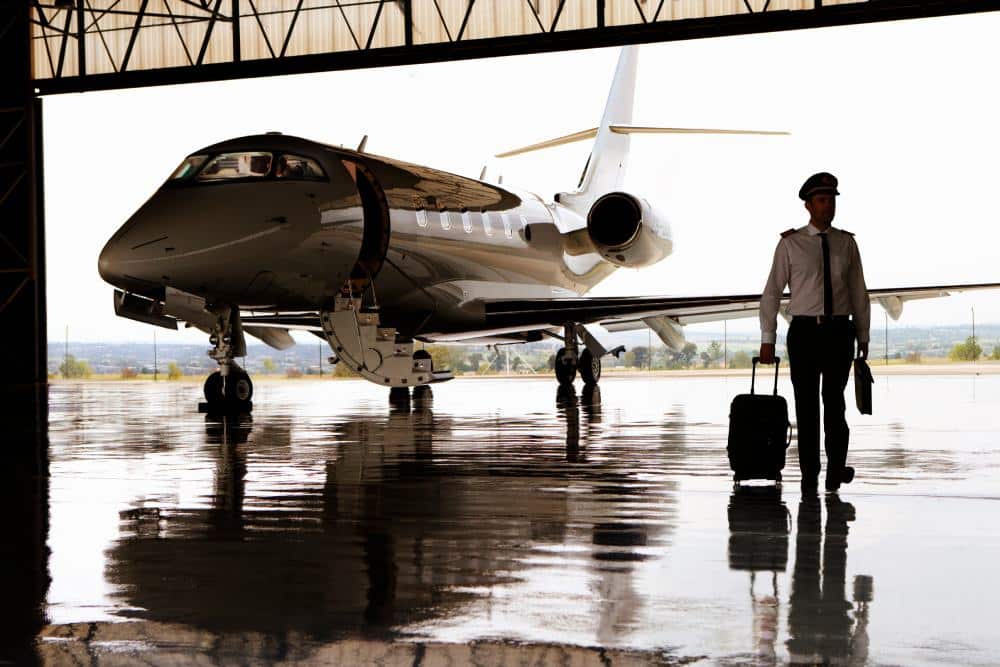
[(753, 376)]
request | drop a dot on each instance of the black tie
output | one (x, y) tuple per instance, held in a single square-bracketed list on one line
[(827, 279)]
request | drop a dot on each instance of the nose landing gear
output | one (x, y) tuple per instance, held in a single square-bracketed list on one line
[(229, 389)]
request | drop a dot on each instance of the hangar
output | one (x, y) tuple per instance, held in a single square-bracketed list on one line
[(65, 46), (78, 45)]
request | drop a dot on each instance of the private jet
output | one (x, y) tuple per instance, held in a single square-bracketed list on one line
[(263, 234)]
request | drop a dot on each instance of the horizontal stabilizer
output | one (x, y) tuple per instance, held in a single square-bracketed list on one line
[(583, 135)]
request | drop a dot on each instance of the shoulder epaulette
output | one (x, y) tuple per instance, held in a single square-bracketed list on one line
[(847, 232), (788, 232)]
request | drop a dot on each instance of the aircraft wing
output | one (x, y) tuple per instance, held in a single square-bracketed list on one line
[(508, 319), (666, 314)]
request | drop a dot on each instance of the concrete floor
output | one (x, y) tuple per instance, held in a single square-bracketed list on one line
[(503, 524)]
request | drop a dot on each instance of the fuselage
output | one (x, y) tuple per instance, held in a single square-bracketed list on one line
[(277, 223)]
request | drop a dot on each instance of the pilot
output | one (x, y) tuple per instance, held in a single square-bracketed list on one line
[(830, 309)]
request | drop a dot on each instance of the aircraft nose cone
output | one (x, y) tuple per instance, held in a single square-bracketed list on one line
[(109, 262)]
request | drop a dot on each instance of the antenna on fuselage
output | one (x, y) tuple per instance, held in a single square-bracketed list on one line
[(482, 174), (364, 142)]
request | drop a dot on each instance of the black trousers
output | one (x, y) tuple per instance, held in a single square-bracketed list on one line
[(820, 357)]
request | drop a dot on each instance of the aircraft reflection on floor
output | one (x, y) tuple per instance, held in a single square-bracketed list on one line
[(400, 533)]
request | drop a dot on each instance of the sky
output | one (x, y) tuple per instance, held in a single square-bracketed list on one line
[(903, 113)]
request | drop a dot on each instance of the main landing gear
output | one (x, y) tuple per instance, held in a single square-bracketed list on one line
[(570, 359), (229, 389)]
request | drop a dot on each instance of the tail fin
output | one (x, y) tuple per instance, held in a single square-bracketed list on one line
[(605, 168)]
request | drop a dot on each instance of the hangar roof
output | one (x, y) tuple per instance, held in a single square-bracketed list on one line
[(100, 44)]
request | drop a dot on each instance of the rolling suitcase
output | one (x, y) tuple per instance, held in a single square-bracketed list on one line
[(759, 433)]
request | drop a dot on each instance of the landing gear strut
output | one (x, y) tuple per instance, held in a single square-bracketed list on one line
[(228, 389), (570, 359)]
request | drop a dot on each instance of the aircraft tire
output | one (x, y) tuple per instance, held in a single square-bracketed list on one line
[(213, 389), (239, 388), (565, 373), (399, 397), (590, 368)]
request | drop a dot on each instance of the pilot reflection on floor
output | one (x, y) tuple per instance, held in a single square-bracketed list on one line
[(759, 523), (391, 533), (820, 625)]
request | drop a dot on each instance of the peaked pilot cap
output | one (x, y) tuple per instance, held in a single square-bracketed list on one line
[(822, 182)]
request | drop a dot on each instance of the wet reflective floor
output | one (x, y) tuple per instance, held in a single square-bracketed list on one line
[(503, 523)]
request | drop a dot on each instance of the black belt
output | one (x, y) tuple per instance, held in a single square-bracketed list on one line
[(820, 319)]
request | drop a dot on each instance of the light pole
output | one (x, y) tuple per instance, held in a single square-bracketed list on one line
[(886, 353), (725, 344), (974, 355)]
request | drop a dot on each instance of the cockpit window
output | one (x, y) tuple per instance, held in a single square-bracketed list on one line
[(188, 167), (295, 166), (229, 166)]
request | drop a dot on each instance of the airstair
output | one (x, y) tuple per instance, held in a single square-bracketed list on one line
[(371, 350)]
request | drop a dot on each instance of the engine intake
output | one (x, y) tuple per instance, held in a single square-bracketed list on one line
[(627, 231)]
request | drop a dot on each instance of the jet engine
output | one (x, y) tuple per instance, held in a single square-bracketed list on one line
[(628, 231)]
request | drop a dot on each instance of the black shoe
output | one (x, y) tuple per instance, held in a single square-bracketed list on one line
[(846, 477)]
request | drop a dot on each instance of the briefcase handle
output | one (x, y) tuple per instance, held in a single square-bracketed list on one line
[(753, 376)]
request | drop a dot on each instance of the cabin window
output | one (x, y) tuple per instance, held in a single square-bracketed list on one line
[(506, 225), (445, 221), (188, 167), (230, 166), (298, 167), (487, 226), (467, 222), (421, 217)]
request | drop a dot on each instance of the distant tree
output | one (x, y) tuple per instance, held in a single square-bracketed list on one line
[(71, 368), (712, 354), (913, 357), (444, 357), (684, 357), (740, 360), (970, 350), (267, 363), (996, 353), (174, 371), (129, 373), (637, 357), (342, 370), (293, 372)]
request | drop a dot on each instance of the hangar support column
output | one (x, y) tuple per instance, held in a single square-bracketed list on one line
[(23, 356), (23, 388)]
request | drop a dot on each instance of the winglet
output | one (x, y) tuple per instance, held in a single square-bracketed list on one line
[(364, 142)]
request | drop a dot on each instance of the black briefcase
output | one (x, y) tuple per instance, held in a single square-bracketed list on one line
[(759, 432), (863, 382)]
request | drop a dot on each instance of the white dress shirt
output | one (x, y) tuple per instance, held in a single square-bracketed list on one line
[(798, 263)]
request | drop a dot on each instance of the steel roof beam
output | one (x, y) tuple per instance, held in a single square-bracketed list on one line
[(654, 31)]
